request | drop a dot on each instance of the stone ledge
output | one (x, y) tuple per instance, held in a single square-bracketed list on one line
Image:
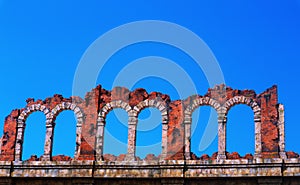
[(168, 169)]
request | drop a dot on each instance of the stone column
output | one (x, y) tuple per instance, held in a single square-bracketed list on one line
[(281, 123), (132, 125), (258, 145), (78, 139), (221, 136), (19, 140), (187, 140), (164, 142), (48, 141), (100, 139)]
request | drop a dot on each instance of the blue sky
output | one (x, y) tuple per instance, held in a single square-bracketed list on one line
[(256, 44)]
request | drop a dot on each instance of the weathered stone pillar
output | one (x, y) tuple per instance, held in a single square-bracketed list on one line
[(19, 140), (222, 120), (99, 139), (78, 138), (258, 145), (281, 128), (48, 141), (164, 141), (132, 125), (187, 140)]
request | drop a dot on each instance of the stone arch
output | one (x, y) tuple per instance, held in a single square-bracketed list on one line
[(257, 117), (22, 124), (30, 109), (51, 124), (162, 107), (200, 101), (68, 106), (157, 103), (101, 124), (114, 104), (246, 101), (197, 102)]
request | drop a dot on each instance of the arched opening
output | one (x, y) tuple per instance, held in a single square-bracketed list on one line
[(149, 133), (64, 137), (116, 132), (240, 130), (204, 132), (34, 135)]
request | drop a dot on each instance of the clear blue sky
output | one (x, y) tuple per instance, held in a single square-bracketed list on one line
[(256, 43)]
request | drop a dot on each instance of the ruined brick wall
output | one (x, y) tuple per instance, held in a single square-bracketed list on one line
[(176, 122)]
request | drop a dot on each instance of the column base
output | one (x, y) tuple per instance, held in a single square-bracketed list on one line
[(221, 157), (283, 155), (187, 156), (130, 157), (45, 158), (258, 157), (99, 158), (163, 157)]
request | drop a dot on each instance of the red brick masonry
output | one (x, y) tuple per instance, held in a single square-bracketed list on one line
[(176, 118)]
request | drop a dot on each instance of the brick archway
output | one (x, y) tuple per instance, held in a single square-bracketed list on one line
[(51, 124), (162, 107), (197, 102), (257, 117), (102, 121), (21, 125)]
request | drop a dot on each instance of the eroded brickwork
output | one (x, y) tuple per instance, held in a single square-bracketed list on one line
[(176, 123)]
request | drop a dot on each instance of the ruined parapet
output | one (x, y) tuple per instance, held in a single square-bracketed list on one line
[(176, 119)]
